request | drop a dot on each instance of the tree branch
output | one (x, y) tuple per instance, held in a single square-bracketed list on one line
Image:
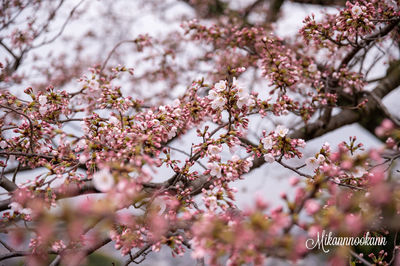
[(345, 117), (7, 184)]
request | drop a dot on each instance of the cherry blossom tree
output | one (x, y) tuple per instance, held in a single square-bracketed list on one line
[(91, 136)]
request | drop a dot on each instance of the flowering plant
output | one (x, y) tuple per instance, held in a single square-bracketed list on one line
[(92, 158)]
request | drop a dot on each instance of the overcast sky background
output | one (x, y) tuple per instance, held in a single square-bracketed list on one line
[(269, 180)]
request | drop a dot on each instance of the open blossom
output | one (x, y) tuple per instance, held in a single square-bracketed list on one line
[(83, 158), (248, 163), (3, 144), (176, 103), (16, 207), (251, 102), (43, 109), (356, 10), (267, 142), (241, 92), (42, 99), (320, 158), (103, 180), (281, 130), (220, 86), (218, 103), (26, 211), (358, 171), (172, 132), (81, 143), (301, 143), (235, 158), (212, 95), (215, 169), (243, 101), (312, 162), (269, 158), (211, 202), (113, 120), (312, 68), (214, 149)]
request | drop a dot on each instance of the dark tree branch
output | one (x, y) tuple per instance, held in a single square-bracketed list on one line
[(7, 184), (273, 11)]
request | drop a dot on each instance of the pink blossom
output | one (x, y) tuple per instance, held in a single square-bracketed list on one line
[(312, 206), (281, 130), (269, 158), (214, 149), (267, 142), (103, 180), (212, 95), (3, 144), (356, 10), (220, 86), (215, 169)]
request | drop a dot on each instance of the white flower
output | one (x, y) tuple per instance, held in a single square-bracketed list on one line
[(43, 109), (26, 211), (358, 171), (312, 162), (242, 101), (177, 111), (113, 120), (281, 130), (103, 180), (356, 10), (81, 143), (214, 149), (235, 158), (156, 122), (212, 95), (176, 103), (301, 143), (250, 160), (220, 86), (248, 163), (235, 82), (211, 202), (218, 103), (15, 206), (42, 99), (172, 132), (321, 158), (240, 90), (269, 158), (215, 169), (312, 68), (83, 158), (162, 108), (251, 102), (267, 142), (3, 144)]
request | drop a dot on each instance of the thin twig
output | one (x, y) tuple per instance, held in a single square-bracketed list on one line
[(364, 261)]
